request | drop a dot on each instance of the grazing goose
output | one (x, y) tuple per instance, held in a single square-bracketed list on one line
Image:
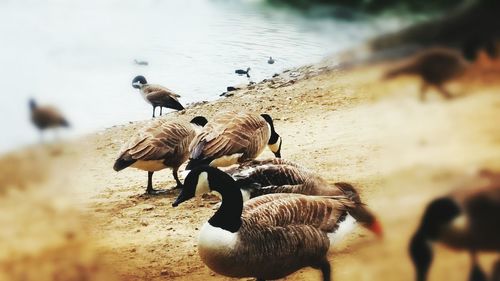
[(232, 137), (157, 95), (270, 60), (241, 71), (46, 117), (160, 145), (259, 177), (435, 66), (467, 219), (268, 237)]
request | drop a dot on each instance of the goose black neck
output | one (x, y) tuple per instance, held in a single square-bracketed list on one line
[(274, 136), (228, 217), (421, 254)]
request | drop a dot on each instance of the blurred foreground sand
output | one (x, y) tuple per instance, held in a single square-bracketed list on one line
[(66, 215)]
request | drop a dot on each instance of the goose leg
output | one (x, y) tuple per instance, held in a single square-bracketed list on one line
[(149, 188), (161, 108), (176, 177), (476, 273), (325, 268), (326, 271), (154, 108)]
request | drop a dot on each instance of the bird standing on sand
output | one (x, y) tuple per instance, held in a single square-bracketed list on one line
[(233, 137), (157, 95), (46, 117), (268, 237), (160, 145), (270, 60), (241, 71), (435, 66), (468, 219)]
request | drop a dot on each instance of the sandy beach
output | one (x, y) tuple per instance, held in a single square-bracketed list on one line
[(66, 215)]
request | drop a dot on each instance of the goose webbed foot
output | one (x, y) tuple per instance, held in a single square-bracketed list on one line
[(151, 191)]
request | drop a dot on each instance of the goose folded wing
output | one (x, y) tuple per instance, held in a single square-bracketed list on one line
[(323, 213)]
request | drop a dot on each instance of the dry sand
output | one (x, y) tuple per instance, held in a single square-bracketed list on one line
[(66, 215)]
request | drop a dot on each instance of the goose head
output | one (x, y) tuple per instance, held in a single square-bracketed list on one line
[(201, 180), (275, 140), (32, 104), (139, 81), (438, 215), (248, 69)]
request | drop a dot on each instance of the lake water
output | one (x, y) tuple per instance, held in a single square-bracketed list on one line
[(78, 55)]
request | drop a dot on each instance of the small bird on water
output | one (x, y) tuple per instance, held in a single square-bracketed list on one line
[(241, 71), (270, 60)]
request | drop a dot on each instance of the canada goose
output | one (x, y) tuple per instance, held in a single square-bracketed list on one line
[(232, 137), (157, 95), (160, 145), (241, 71), (467, 219), (435, 66), (260, 177), (270, 60), (268, 237), (45, 117)]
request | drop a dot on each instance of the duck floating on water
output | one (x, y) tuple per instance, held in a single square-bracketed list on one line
[(270, 60), (242, 72)]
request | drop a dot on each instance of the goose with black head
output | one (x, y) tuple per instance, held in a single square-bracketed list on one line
[(268, 237)]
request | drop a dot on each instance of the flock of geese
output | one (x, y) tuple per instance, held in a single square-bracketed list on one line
[(276, 216)]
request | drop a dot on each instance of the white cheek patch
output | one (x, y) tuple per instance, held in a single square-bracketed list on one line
[(275, 146), (202, 185), (345, 227), (460, 224), (245, 194), (226, 160)]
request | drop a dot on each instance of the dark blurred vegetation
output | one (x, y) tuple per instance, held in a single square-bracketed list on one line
[(372, 6)]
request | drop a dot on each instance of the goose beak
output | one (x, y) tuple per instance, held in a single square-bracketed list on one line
[(181, 198), (376, 228)]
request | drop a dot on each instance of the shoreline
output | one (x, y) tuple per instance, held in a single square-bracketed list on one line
[(69, 213)]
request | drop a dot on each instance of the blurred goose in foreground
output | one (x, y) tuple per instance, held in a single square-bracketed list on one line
[(435, 67), (268, 237), (270, 60), (468, 219), (157, 95), (162, 144), (241, 71), (260, 177), (46, 117), (232, 137)]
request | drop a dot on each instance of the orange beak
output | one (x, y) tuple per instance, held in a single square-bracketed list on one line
[(376, 228)]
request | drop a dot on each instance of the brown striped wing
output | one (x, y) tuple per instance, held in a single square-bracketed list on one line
[(229, 133), (159, 141), (296, 209)]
